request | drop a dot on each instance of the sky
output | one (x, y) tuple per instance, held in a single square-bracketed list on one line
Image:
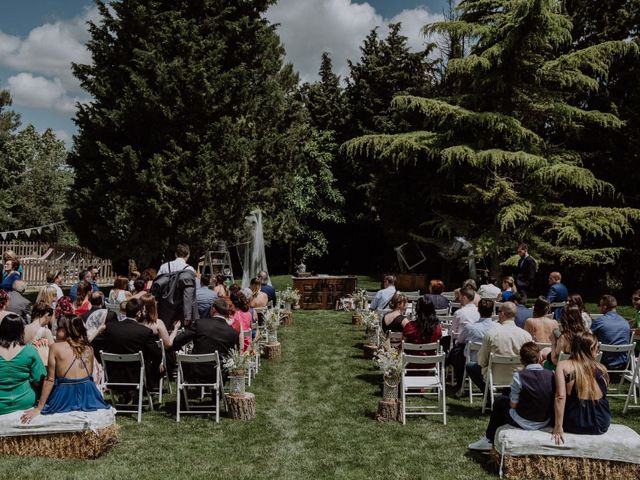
[(40, 38)]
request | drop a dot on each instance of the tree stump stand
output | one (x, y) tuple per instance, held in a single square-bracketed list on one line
[(370, 351), (357, 319), (241, 406), (272, 351), (286, 318), (388, 411)]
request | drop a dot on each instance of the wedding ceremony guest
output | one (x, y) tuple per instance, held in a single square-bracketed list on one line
[(54, 279), (529, 405), (489, 290), (209, 334), (220, 288), (259, 298), (82, 303), (138, 288), (426, 327), (570, 324), (241, 316), (611, 329), (205, 296), (575, 299), (120, 291), (148, 275), (20, 367), (49, 295), (395, 320), (83, 276), (522, 312), (182, 254), (526, 269), (129, 336), (436, 287), (505, 339), (148, 316), (508, 289), (64, 307), (470, 283), (17, 302), (581, 405), (98, 314), (4, 300), (40, 326), (182, 306), (475, 332), (69, 385), (540, 326), (10, 275), (11, 255), (383, 296), (266, 288), (468, 311), (557, 292)]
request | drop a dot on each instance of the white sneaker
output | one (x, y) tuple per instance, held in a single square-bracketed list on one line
[(483, 445)]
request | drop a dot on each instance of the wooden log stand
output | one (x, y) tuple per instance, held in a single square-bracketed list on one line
[(388, 411), (357, 319), (370, 351), (286, 318), (241, 406), (272, 351)]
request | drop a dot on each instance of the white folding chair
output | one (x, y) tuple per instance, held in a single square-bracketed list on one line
[(565, 356), (370, 297), (626, 372), (496, 307), (634, 388), (139, 386), (395, 338), (413, 296), (451, 296), (490, 386), (429, 378), (216, 384), (441, 312), (454, 305), (471, 347), (164, 378)]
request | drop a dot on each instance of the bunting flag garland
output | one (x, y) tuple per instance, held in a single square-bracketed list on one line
[(28, 231)]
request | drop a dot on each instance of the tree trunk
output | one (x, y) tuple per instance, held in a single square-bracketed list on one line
[(356, 319), (388, 411), (272, 351), (370, 351), (286, 318), (241, 406)]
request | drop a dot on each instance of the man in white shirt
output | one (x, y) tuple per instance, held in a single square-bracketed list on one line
[(180, 263), (382, 298), (467, 313)]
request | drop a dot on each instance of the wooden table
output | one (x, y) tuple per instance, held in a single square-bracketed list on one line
[(321, 292)]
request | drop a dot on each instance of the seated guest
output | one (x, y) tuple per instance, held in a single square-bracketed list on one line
[(148, 316), (4, 301), (266, 288), (54, 279), (508, 289), (581, 405), (39, 328), (469, 284), (395, 321), (98, 314), (575, 299), (148, 275), (10, 275), (64, 308), (129, 336), (86, 276), (436, 287), (570, 324), (120, 291), (530, 403), (20, 367), (82, 303), (220, 288), (138, 288), (259, 298), (426, 327), (505, 339), (383, 297), (522, 312), (540, 325), (209, 335), (489, 290), (557, 293), (48, 295), (17, 302), (242, 317), (205, 296), (468, 311), (611, 329), (69, 374)]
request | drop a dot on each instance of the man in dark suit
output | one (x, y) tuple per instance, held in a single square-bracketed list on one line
[(557, 293), (209, 335), (526, 269), (129, 336), (18, 304)]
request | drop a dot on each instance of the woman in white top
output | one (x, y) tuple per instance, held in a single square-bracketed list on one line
[(119, 293), (48, 295)]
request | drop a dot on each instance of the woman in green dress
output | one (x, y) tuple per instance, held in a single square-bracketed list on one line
[(20, 367)]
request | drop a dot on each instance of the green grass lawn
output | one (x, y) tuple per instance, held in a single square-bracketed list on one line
[(315, 420)]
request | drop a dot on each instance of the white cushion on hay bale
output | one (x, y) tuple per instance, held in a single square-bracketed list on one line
[(59, 435), (531, 454)]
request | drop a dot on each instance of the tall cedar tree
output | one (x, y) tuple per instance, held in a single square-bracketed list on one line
[(9, 122), (494, 152), (189, 127)]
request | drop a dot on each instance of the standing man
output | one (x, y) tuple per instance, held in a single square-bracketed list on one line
[(526, 269), (175, 290), (383, 297), (557, 293), (263, 276)]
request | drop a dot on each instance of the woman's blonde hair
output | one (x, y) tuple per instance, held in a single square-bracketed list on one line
[(47, 295), (509, 280), (149, 311), (583, 360), (397, 300)]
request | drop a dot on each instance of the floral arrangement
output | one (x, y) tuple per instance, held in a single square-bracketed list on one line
[(272, 319), (289, 296), (359, 299), (236, 361), (389, 360), (371, 320)]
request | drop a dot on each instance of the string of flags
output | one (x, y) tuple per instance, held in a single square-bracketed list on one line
[(29, 231)]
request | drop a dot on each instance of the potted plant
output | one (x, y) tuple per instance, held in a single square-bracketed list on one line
[(372, 322), (290, 298), (236, 363), (389, 360), (271, 323)]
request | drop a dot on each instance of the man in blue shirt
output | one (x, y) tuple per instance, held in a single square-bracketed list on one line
[(557, 293), (522, 312), (87, 276), (266, 288), (205, 296), (611, 329), (383, 297)]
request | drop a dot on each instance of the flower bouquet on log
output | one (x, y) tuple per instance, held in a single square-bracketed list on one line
[(237, 363)]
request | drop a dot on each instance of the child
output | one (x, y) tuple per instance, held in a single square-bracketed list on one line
[(530, 403)]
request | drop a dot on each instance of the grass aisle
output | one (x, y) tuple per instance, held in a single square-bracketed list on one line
[(314, 420)]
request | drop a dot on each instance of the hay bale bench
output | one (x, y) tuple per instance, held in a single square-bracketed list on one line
[(531, 455), (60, 435)]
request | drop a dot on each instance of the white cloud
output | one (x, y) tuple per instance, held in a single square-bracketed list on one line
[(35, 91), (64, 136), (310, 27)]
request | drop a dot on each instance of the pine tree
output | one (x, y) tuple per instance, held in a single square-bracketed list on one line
[(9, 169), (500, 154), (189, 126)]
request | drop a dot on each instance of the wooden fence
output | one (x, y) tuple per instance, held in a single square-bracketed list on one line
[(39, 258)]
